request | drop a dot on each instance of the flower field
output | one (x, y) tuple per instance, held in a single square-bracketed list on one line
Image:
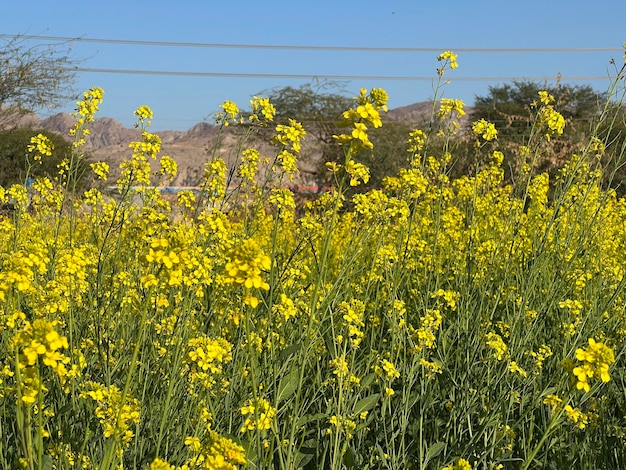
[(433, 323)]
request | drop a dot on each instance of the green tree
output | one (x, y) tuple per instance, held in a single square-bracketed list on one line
[(32, 77), (389, 154), (512, 108), (14, 157), (320, 107), (612, 132)]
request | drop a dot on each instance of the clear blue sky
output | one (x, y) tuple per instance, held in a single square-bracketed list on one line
[(181, 101)]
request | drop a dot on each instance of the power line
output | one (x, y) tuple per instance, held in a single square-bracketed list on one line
[(326, 76), (312, 48)]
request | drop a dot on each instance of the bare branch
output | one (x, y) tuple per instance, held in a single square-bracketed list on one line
[(33, 77)]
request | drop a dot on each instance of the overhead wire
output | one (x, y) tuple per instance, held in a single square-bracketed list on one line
[(177, 73), (180, 73), (309, 47)]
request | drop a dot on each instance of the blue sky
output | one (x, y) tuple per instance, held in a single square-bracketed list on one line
[(181, 101)]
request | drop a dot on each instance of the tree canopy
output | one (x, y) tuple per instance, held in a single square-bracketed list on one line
[(509, 107)]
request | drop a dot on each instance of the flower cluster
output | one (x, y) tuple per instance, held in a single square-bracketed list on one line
[(367, 112), (553, 121), (449, 59), (86, 109), (345, 426), (208, 354), (259, 415), (100, 169), (210, 452), (485, 129), (246, 262), (39, 343), (215, 452), (460, 464), (290, 136), (448, 105), (574, 415), (352, 321), (424, 336), (263, 107), (229, 114), (214, 179), (595, 360), (497, 345), (416, 141), (41, 146), (117, 414)]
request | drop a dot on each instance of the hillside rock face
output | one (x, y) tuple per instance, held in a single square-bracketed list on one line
[(60, 123)]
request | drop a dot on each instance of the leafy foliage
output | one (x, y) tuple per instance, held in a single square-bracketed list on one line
[(13, 155)]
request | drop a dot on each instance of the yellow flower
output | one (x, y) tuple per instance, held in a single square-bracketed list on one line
[(213, 452), (40, 338), (261, 415), (448, 59), (460, 464), (360, 133), (495, 342), (576, 416), (431, 367), (169, 167), (447, 106), (262, 106), (416, 141), (158, 464), (209, 354), (546, 98), (143, 112), (100, 169), (229, 115), (595, 359), (291, 134), (85, 111), (513, 367), (117, 413), (485, 129), (390, 370), (553, 401), (245, 263), (41, 145), (358, 172), (379, 98)]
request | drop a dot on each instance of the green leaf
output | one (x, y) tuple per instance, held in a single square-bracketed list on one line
[(289, 351), (433, 451), (348, 458), (288, 385), (366, 404), (306, 419), (47, 463), (368, 379)]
